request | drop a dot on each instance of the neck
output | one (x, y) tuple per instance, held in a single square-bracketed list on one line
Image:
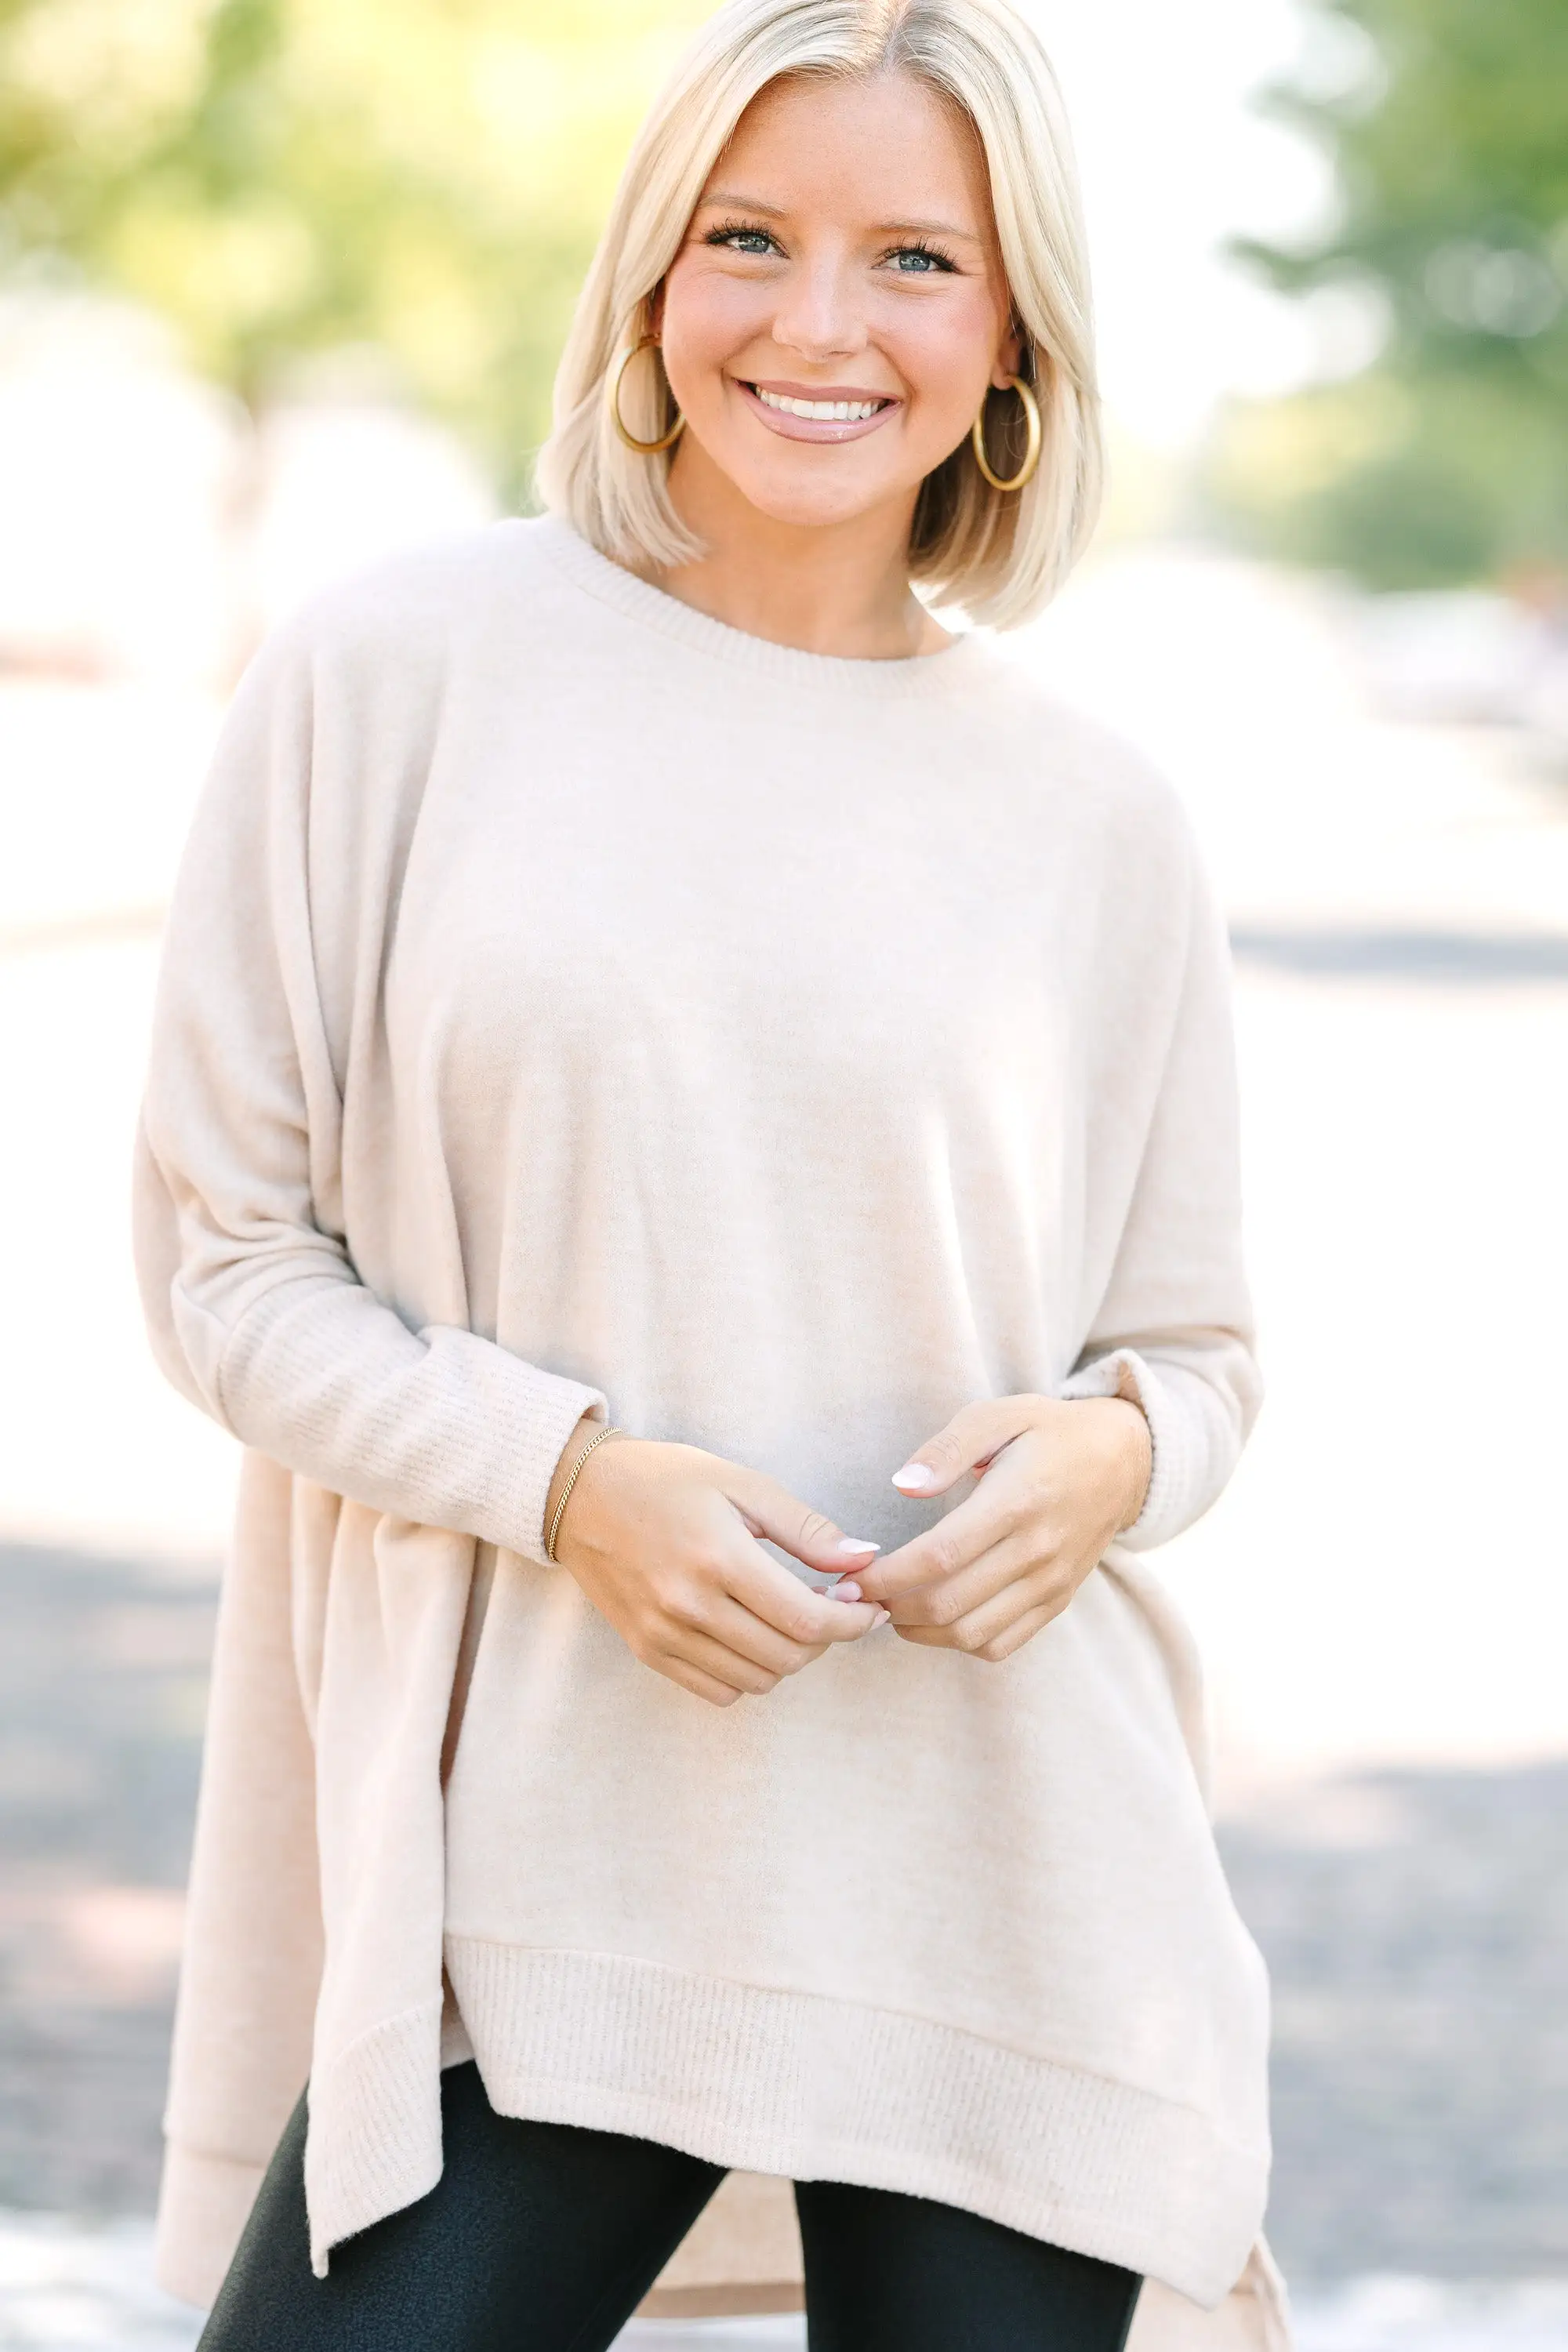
[(839, 588)]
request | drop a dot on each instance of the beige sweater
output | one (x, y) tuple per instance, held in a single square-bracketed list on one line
[(569, 999)]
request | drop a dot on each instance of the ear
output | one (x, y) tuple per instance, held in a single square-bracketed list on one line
[(1009, 356), (655, 309)]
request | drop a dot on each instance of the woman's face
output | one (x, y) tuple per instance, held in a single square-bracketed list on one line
[(843, 254)]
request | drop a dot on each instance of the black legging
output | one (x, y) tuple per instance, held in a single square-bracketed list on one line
[(545, 2238)]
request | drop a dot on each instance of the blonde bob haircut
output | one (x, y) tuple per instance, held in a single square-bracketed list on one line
[(1000, 555)]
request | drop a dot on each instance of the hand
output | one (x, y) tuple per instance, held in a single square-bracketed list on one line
[(1061, 1479), (663, 1540)]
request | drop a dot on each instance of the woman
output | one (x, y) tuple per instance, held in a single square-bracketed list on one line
[(635, 962)]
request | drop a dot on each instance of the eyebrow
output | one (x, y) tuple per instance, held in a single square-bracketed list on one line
[(742, 203), (928, 228)]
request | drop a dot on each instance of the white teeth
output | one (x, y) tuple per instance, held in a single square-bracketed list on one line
[(841, 412)]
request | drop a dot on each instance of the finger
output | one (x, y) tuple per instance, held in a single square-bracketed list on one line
[(1005, 1644), (717, 1659), (808, 1536), (995, 1573), (1001, 1646), (692, 1679), (972, 1435), (790, 1607), (741, 1630), (953, 1545), (978, 1629)]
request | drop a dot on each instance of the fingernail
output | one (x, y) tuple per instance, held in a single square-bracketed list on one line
[(914, 1474), (845, 1590), (883, 1617), (854, 1543)]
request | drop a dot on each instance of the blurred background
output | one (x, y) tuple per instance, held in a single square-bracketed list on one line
[(281, 286)]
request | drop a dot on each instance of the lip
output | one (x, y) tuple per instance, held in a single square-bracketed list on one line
[(815, 429), (815, 391)]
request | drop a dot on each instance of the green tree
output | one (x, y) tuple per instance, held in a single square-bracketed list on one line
[(1447, 459), (284, 178)]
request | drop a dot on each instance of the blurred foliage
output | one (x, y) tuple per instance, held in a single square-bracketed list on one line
[(416, 182), (1446, 459)]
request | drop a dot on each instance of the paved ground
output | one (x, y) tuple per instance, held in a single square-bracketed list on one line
[(103, 1681), (1416, 1925)]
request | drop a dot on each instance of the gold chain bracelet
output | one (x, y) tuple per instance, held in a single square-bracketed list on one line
[(597, 1439)]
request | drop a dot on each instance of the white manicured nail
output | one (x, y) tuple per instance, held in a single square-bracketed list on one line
[(914, 1474), (883, 1617), (845, 1590), (854, 1543)]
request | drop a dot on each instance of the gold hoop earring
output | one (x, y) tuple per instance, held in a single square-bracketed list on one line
[(1026, 472), (643, 448)]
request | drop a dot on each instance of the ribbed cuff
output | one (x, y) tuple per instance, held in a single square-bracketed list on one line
[(1168, 1505), (441, 1427)]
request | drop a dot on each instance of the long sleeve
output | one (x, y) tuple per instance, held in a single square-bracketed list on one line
[(253, 1305), (1174, 1328)]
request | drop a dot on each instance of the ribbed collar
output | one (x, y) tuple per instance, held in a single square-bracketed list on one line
[(917, 675)]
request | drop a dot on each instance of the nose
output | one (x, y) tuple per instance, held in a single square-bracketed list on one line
[(818, 315)]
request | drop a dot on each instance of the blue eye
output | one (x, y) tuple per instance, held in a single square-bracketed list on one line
[(755, 241), (920, 261)]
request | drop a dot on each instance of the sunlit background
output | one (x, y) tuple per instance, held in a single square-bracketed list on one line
[(281, 286)]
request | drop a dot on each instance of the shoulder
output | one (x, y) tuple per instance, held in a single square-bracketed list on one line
[(341, 707), (1075, 775), (404, 615)]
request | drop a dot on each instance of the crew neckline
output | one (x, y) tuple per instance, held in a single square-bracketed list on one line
[(610, 584)]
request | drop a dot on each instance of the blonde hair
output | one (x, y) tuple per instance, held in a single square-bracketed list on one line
[(1000, 555)]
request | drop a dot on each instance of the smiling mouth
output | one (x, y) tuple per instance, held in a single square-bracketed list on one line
[(820, 412)]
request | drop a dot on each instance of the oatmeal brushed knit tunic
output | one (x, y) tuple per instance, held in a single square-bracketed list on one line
[(571, 1004)]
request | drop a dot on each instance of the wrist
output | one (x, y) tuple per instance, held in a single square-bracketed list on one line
[(585, 1439), (1129, 1451), (1138, 1453)]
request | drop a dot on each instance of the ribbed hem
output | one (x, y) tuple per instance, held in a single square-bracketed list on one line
[(374, 2139), (203, 2204), (817, 2089), (610, 583)]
